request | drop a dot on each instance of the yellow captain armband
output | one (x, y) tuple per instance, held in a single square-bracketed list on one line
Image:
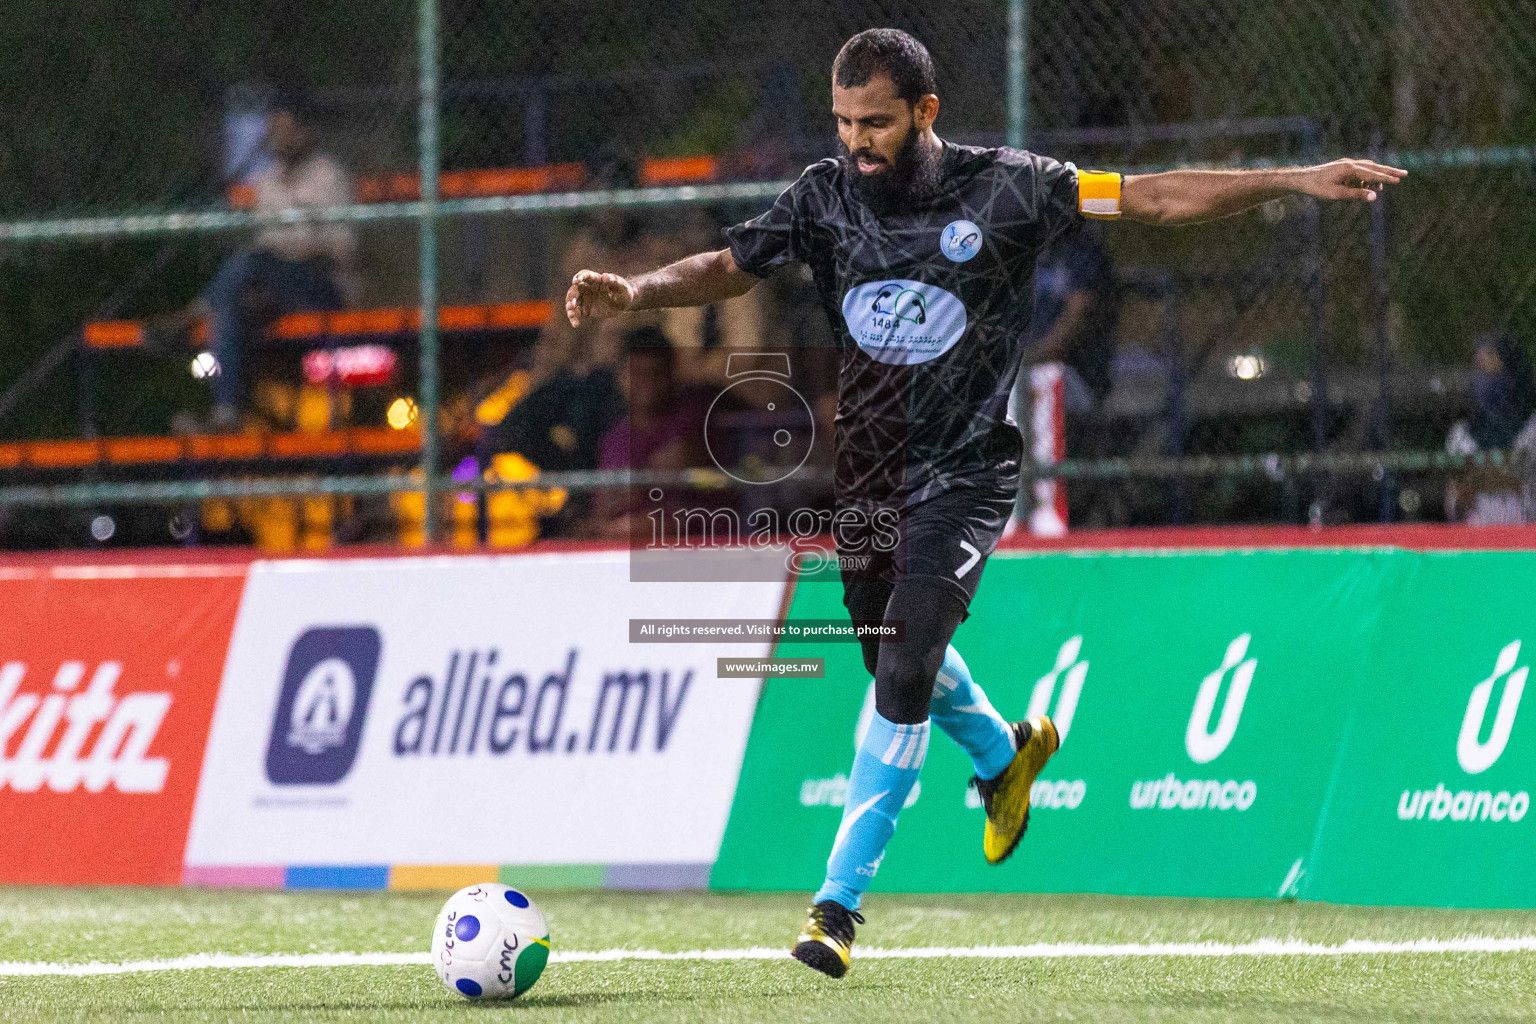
[(1098, 194)]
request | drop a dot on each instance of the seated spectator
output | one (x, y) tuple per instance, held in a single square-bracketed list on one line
[(285, 268), (705, 336), (1503, 418), (663, 429), (664, 426), (1077, 311), (555, 427), (614, 238), (624, 242), (560, 424), (555, 413)]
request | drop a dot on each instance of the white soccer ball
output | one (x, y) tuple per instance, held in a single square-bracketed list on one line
[(490, 942)]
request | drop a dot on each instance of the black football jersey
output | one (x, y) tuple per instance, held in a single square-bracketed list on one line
[(931, 307)]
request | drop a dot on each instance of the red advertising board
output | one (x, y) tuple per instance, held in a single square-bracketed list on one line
[(108, 677)]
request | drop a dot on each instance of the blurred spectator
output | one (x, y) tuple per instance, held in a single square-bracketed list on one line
[(560, 424), (1503, 418), (622, 242), (571, 394), (286, 268), (663, 428), (1077, 309), (614, 240), (553, 415), (706, 335), (554, 427), (1077, 305)]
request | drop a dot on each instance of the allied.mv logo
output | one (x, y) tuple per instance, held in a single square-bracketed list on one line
[(960, 240), (322, 708), (318, 723)]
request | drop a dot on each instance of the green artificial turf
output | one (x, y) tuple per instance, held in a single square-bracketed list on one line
[(112, 925)]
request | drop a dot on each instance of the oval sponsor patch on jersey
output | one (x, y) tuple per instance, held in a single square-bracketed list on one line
[(960, 240), (903, 322)]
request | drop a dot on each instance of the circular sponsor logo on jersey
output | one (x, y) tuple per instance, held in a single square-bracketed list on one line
[(903, 322), (960, 240)]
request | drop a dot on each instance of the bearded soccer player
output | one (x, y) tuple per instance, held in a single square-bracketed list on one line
[(923, 253)]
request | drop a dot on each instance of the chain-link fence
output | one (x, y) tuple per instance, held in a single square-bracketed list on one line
[(1340, 329), (1299, 362)]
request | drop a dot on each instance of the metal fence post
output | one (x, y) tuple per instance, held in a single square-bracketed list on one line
[(1014, 136), (1317, 310), (1015, 100), (1018, 80), (427, 139), (1381, 415)]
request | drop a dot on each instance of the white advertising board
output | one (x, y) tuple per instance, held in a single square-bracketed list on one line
[(473, 710)]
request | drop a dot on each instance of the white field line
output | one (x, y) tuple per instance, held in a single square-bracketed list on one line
[(1037, 951)]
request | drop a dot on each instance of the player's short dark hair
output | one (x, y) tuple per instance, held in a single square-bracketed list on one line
[(886, 51)]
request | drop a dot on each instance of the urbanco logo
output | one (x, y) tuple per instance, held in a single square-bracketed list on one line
[(1476, 755), (318, 723), (1071, 671), (1203, 744)]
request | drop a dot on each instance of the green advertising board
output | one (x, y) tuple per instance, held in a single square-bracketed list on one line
[(1429, 805), (1241, 723)]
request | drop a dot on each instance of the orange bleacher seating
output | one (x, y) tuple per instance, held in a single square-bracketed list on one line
[(61, 454), (508, 181), (242, 196), (659, 171), (327, 445), (130, 334), (355, 323), (114, 334), (352, 323), (405, 188), (135, 451), (383, 441), (229, 447), (683, 170), (143, 449), (512, 181)]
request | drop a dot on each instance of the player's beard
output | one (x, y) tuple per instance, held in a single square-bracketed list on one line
[(911, 177)]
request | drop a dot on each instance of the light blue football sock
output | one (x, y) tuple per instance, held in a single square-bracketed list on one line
[(961, 709), (884, 770)]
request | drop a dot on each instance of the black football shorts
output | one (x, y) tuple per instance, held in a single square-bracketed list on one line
[(945, 539)]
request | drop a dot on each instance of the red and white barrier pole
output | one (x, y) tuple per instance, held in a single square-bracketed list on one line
[(1048, 439)]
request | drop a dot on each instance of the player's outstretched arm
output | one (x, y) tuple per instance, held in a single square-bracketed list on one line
[(1189, 197), (696, 281)]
